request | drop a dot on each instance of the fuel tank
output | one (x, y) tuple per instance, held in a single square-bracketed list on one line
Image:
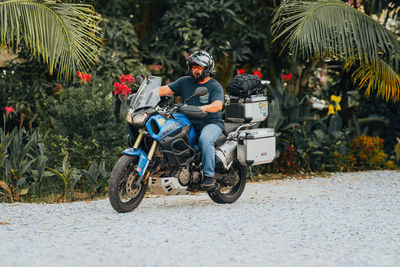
[(159, 127)]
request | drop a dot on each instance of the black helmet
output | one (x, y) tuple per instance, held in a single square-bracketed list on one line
[(201, 58)]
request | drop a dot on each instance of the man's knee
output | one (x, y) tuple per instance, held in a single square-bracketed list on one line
[(205, 141)]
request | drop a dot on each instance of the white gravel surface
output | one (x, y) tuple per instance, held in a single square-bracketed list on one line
[(350, 219)]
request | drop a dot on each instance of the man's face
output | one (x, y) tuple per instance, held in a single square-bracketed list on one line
[(197, 70)]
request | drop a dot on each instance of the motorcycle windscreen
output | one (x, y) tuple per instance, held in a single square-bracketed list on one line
[(147, 94)]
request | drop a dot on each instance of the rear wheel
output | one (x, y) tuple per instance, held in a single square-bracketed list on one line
[(123, 193), (229, 193)]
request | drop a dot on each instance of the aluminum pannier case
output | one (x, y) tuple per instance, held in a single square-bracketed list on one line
[(256, 146), (250, 109)]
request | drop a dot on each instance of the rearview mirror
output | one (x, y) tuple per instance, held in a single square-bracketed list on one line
[(138, 80), (200, 91)]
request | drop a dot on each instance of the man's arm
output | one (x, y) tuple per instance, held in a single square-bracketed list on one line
[(165, 90), (213, 107)]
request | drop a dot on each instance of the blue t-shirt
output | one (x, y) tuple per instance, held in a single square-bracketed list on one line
[(185, 87)]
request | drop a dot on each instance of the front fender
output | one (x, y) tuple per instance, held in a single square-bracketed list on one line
[(143, 159)]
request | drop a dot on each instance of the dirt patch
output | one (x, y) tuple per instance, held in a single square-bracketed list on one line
[(283, 176), (7, 56)]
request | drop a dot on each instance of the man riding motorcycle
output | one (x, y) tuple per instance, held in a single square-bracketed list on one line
[(201, 67), (168, 156)]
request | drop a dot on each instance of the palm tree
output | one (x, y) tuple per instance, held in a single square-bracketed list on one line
[(332, 29), (65, 36)]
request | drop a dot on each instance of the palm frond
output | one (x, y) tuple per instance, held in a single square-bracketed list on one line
[(64, 36), (377, 76), (332, 29)]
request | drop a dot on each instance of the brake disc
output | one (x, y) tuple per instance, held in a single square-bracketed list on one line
[(132, 190)]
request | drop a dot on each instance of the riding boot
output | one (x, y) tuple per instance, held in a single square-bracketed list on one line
[(208, 182)]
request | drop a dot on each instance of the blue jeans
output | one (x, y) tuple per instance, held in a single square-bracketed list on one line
[(208, 135)]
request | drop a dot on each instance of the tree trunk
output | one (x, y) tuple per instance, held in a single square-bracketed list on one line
[(224, 70)]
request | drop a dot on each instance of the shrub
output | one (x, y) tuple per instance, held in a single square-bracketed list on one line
[(366, 152), (287, 160), (83, 123), (22, 162)]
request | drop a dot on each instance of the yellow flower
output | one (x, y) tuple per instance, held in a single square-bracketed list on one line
[(338, 107), (331, 110), (336, 99)]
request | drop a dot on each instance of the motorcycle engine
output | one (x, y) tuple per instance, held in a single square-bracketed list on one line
[(186, 175), (183, 175)]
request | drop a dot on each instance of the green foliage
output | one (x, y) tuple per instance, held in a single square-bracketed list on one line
[(69, 175), (287, 162), (64, 36), (74, 116), (397, 151), (25, 86), (22, 160), (96, 176), (120, 53), (389, 116), (332, 29), (303, 135), (25, 171), (224, 28), (82, 122)]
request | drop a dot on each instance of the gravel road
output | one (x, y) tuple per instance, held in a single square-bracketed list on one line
[(350, 219)]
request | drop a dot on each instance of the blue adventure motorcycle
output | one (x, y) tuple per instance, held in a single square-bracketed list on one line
[(164, 155)]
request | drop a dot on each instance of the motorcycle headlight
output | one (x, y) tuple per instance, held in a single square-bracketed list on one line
[(139, 118), (129, 117)]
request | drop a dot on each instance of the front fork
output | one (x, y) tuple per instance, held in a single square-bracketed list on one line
[(144, 160)]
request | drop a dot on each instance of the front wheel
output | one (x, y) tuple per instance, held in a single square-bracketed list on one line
[(229, 193), (123, 193)]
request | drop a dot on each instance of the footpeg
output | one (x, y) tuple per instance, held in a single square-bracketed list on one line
[(216, 186)]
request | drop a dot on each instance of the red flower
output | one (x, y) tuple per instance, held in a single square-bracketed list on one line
[(84, 76), (241, 71), (156, 67), (286, 77), (123, 78), (9, 109), (87, 77), (127, 78), (122, 89), (257, 73)]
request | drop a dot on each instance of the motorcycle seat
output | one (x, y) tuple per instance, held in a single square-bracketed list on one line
[(229, 127)]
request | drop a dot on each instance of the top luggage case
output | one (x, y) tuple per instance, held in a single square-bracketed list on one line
[(245, 85)]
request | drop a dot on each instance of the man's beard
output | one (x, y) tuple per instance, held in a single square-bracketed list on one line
[(197, 77)]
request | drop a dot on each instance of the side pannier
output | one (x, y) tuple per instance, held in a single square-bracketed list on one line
[(247, 100)]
